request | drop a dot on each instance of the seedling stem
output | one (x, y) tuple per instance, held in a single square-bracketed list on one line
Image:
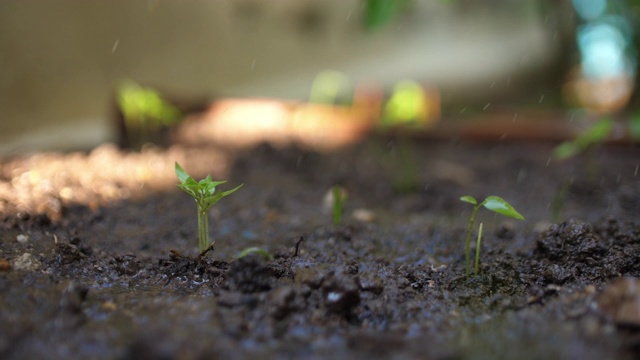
[(478, 249), (493, 203), (204, 193)]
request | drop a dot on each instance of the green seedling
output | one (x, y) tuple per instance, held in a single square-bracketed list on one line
[(399, 163), (586, 143), (493, 203), (596, 134), (255, 250), (329, 87), (145, 112), (339, 196), (205, 195)]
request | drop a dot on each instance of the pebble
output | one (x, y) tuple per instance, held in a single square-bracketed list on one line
[(22, 239), (620, 301), (26, 262), (4, 265), (364, 215), (340, 293)]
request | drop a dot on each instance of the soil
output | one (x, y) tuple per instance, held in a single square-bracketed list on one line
[(98, 254)]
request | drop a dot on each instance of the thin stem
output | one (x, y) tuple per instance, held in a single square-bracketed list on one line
[(468, 242), (337, 204), (203, 230), (478, 249)]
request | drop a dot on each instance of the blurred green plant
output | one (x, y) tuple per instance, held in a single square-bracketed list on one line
[(378, 13), (204, 193), (634, 127), (493, 203), (331, 87), (145, 112), (339, 196), (584, 143), (595, 135), (406, 106)]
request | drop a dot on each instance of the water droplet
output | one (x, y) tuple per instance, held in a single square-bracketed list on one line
[(115, 46)]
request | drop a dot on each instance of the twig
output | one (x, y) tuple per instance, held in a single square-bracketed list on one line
[(209, 248), (298, 246)]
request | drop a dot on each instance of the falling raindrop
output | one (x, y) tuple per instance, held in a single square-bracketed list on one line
[(486, 106), (115, 46), (541, 98), (635, 173)]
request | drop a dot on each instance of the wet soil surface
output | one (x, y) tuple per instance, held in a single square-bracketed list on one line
[(87, 271)]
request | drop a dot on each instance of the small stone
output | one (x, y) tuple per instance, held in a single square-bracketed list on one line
[(109, 306), (340, 293), (22, 239), (364, 215), (4, 265), (620, 301), (26, 262)]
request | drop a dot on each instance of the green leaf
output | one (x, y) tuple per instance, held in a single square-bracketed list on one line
[(595, 134), (501, 206), (469, 199), (225, 193), (255, 250), (181, 174), (565, 150)]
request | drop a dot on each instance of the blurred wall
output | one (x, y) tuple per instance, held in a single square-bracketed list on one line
[(60, 60)]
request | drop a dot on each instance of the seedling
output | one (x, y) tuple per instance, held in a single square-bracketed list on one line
[(145, 113), (586, 143), (339, 196), (493, 203), (596, 134), (205, 195)]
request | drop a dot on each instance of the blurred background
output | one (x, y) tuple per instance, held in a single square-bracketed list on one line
[(61, 62)]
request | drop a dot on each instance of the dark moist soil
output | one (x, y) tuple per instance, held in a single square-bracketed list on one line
[(86, 275)]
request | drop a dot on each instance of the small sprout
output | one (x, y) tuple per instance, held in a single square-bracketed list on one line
[(328, 87), (333, 203), (493, 203), (594, 135), (144, 111), (339, 196), (204, 193), (298, 246), (255, 250)]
